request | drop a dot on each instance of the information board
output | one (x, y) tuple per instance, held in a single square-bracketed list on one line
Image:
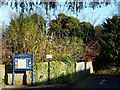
[(22, 63)]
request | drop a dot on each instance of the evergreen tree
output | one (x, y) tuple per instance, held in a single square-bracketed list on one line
[(88, 32), (64, 26), (110, 42)]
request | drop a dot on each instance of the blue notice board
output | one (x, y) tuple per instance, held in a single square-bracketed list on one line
[(23, 62)]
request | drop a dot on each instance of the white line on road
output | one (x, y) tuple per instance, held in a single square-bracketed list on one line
[(102, 81)]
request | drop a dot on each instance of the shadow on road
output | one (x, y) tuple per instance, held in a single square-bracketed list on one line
[(99, 81)]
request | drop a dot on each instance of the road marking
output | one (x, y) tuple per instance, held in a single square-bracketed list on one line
[(102, 81)]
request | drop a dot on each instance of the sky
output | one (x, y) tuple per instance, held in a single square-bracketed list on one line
[(96, 16)]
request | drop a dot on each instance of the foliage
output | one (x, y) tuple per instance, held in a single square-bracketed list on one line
[(98, 31), (66, 37), (70, 28), (110, 39), (6, 51), (60, 72), (88, 32), (24, 33), (112, 69), (69, 47), (41, 72), (64, 26), (109, 42)]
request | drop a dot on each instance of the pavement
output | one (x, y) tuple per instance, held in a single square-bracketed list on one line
[(24, 87)]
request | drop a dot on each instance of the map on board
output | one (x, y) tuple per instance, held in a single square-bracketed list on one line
[(20, 63)]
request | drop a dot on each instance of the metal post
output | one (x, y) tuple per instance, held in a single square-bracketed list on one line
[(13, 72), (48, 71), (32, 68)]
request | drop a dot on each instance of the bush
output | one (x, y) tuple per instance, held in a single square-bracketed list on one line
[(60, 72)]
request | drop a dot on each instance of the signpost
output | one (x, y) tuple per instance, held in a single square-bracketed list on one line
[(22, 63), (48, 57)]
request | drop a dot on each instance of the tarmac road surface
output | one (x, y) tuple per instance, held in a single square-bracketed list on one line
[(99, 81)]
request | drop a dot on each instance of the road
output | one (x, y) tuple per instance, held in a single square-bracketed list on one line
[(99, 81)]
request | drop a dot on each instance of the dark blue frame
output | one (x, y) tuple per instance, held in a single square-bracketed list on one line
[(23, 55)]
